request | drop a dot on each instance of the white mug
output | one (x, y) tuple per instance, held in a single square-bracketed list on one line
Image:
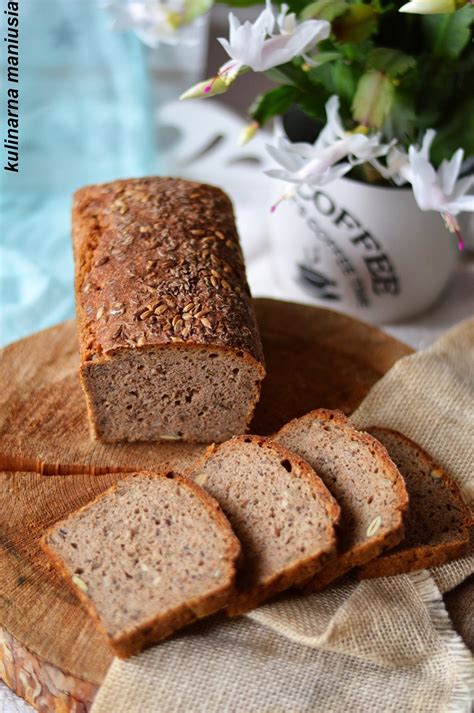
[(362, 249)]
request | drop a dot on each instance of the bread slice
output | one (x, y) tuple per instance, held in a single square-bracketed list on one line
[(437, 523), (150, 555), (279, 509), (358, 472)]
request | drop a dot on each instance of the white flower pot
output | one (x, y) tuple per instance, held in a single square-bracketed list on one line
[(358, 248)]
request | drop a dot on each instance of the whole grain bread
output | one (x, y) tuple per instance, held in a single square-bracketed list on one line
[(437, 522), (169, 343), (280, 510), (359, 473), (150, 555)]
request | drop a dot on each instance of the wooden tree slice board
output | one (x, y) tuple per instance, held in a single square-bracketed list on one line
[(46, 634), (50, 653), (315, 357)]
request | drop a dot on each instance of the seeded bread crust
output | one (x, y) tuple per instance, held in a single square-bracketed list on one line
[(161, 626), (366, 551), (406, 558), (158, 264), (305, 567)]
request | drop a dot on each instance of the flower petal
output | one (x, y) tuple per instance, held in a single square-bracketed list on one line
[(288, 159), (464, 203), (449, 171), (426, 143), (462, 187)]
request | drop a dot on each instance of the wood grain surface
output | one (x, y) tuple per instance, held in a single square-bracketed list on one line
[(49, 649), (314, 358), (37, 609)]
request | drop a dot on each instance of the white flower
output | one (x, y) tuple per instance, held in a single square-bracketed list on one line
[(305, 163), (322, 162), (396, 165), (255, 46), (155, 21), (286, 22), (440, 190)]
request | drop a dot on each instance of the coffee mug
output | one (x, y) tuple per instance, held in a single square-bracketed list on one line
[(362, 249)]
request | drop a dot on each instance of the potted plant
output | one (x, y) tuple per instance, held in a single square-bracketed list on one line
[(374, 140)]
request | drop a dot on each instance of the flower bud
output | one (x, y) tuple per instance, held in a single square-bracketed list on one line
[(248, 132), (432, 7), (208, 88)]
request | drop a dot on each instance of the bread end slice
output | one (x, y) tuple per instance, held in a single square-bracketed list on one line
[(148, 556), (438, 521)]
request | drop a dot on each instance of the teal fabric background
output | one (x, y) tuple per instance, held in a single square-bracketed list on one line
[(86, 116)]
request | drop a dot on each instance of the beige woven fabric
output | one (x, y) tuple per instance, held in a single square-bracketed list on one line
[(378, 645), (429, 397)]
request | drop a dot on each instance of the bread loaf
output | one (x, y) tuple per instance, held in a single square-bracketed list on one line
[(169, 343), (437, 522), (280, 510), (357, 470), (147, 557)]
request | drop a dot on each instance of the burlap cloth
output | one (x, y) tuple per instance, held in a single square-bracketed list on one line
[(380, 645)]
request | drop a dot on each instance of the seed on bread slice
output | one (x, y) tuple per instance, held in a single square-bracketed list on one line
[(279, 509), (437, 522), (150, 555), (359, 473)]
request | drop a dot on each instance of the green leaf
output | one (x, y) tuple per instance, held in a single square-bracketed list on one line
[(314, 105), (447, 35), (391, 62), (195, 8), (357, 24), (403, 122), (438, 89), (321, 58), (345, 81), (373, 99), (324, 10), (273, 103), (338, 78), (290, 73), (276, 75), (457, 133), (356, 52)]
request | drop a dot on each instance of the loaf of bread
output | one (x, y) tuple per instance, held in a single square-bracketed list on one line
[(169, 343), (147, 557), (359, 473), (280, 510), (438, 521)]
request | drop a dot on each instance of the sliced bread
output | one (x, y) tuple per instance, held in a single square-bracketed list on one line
[(437, 522), (150, 555), (279, 509), (357, 470)]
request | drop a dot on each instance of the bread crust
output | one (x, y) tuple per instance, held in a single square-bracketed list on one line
[(161, 626), (243, 601), (160, 243), (421, 556), (365, 551)]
